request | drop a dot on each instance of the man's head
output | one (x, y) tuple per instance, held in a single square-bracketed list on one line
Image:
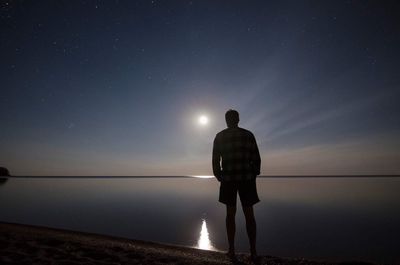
[(232, 118), (4, 172)]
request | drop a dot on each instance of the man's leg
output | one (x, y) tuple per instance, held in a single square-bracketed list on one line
[(251, 228), (231, 227)]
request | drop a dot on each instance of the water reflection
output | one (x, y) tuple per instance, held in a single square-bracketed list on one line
[(204, 240), (335, 217)]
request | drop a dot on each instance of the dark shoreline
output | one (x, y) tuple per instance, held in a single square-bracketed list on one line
[(27, 244)]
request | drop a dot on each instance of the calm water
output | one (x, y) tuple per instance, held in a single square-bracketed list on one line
[(323, 218)]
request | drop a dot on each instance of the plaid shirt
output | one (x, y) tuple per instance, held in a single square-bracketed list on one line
[(235, 155)]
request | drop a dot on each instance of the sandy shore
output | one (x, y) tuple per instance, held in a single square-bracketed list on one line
[(22, 244)]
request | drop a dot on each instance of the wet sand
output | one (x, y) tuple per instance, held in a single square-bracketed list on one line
[(23, 244)]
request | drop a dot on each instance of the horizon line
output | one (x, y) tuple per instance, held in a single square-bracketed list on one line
[(206, 176)]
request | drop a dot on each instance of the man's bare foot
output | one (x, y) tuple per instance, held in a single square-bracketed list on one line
[(231, 255), (255, 259)]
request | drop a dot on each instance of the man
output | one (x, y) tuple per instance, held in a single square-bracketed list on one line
[(236, 163)]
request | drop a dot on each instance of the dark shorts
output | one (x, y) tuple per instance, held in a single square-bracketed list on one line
[(247, 192)]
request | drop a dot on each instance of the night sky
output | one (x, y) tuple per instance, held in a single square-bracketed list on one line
[(117, 87)]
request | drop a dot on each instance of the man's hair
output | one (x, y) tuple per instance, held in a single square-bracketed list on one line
[(232, 118), (4, 172)]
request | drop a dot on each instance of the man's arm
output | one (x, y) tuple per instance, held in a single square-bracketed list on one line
[(256, 158), (216, 160)]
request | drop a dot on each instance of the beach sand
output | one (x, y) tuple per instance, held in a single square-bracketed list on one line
[(23, 244)]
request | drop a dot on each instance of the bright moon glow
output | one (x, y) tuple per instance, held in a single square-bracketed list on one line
[(203, 176), (204, 240), (203, 120)]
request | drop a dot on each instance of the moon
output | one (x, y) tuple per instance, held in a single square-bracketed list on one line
[(203, 120)]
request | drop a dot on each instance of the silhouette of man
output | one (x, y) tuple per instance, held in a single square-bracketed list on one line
[(236, 163)]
